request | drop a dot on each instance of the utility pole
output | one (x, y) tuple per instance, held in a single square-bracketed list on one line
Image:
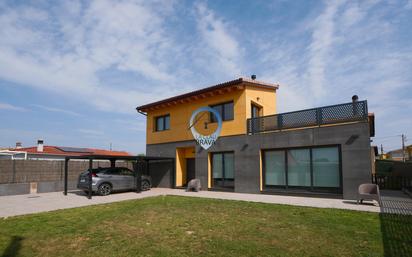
[(381, 152), (110, 146), (403, 148)]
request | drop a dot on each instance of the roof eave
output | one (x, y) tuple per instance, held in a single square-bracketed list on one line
[(143, 108)]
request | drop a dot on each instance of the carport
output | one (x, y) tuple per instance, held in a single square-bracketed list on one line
[(140, 164)]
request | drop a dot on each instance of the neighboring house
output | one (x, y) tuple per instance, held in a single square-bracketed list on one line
[(397, 155), (409, 152), (383, 156), (322, 151), (45, 152)]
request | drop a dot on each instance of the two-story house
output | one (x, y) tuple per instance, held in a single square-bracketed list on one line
[(316, 151)]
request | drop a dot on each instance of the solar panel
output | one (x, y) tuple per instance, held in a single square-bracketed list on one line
[(75, 149)]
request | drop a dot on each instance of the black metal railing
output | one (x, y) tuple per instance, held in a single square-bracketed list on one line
[(392, 182), (333, 114)]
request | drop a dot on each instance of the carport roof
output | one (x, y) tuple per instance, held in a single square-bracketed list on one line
[(124, 158)]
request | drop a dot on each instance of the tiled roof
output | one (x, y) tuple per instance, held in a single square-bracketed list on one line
[(56, 150), (231, 83)]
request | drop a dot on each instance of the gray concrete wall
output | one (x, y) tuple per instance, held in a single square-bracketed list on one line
[(16, 175), (356, 164), (40, 187), (55, 186), (162, 173), (26, 171), (14, 189)]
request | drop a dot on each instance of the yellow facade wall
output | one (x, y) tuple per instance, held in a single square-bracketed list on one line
[(261, 170), (209, 170), (265, 98), (181, 155), (180, 167), (180, 114)]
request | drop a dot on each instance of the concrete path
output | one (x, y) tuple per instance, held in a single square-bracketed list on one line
[(35, 203), (282, 199)]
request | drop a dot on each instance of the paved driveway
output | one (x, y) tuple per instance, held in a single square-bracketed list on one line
[(34, 203)]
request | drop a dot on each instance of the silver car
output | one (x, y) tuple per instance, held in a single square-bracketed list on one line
[(107, 180)]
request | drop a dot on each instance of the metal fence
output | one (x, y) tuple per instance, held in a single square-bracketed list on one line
[(341, 113), (392, 182)]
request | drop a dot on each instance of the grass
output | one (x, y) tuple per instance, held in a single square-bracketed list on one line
[(185, 226)]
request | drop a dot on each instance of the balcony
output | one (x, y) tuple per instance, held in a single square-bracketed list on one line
[(316, 117)]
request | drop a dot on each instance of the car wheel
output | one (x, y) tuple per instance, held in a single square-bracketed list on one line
[(105, 189), (145, 185)]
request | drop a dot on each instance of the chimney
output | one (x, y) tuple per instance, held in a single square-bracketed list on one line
[(18, 145), (40, 145), (354, 105)]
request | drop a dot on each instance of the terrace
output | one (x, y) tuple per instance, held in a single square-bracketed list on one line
[(339, 114)]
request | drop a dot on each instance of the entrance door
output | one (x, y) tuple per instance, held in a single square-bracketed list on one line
[(190, 169), (256, 111)]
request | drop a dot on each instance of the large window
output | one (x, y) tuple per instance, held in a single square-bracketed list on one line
[(315, 168), (223, 167), (275, 168), (325, 167), (162, 123), (225, 110), (299, 167)]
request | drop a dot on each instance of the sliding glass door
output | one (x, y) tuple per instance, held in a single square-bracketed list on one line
[(299, 167), (314, 169), (274, 162), (326, 167), (223, 167)]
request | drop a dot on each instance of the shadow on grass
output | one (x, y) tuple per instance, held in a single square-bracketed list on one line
[(396, 234), (396, 224), (13, 248)]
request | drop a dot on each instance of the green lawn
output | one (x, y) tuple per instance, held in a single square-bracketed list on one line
[(185, 226)]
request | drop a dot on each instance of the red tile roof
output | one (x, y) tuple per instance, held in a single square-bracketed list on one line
[(231, 83), (57, 150)]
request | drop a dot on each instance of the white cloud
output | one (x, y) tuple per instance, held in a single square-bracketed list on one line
[(354, 49), (225, 52), (322, 41), (64, 51), (408, 5), (91, 132), (58, 110), (10, 107), (352, 15), (341, 49), (138, 125)]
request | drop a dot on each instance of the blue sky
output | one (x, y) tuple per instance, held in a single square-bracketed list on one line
[(72, 72)]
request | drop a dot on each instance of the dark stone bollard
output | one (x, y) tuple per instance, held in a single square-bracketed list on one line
[(194, 185)]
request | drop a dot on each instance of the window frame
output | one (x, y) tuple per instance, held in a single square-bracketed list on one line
[(212, 120), (223, 170), (259, 109), (311, 188), (163, 117)]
